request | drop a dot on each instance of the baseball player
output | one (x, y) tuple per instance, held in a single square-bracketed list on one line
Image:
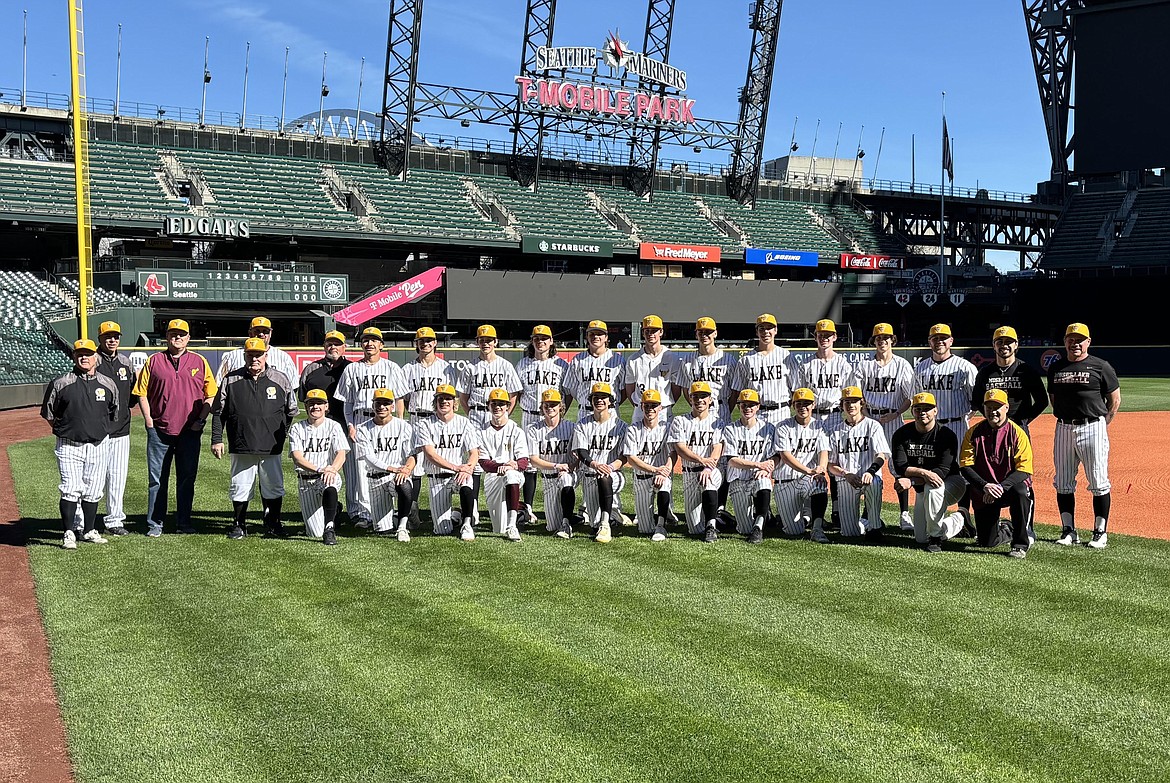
[(646, 451), (319, 449), (654, 367), (384, 447), (117, 367), (82, 406), (887, 381), (857, 451), (540, 369), (421, 377), (256, 404), (355, 390), (324, 374), (802, 469), (596, 364), (950, 379), (597, 444), (769, 370), (748, 445), (549, 444), (503, 457), (260, 328), (826, 372), (450, 451), (1085, 397), (1022, 383), (996, 459), (924, 458), (697, 437)]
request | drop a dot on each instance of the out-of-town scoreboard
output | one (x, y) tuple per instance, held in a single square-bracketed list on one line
[(224, 285)]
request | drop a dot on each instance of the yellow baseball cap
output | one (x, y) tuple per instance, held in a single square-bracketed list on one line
[(335, 335), (384, 394), (651, 322), (804, 394), (705, 323), (372, 331), (652, 395), (880, 329), (765, 318), (256, 345), (923, 398), (700, 387), (109, 327), (1005, 332), (541, 330), (486, 330), (499, 395), (316, 395), (826, 325), (261, 322), (597, 326), (995, 395), (424, 332), (1078, 329), (178, 325), (852, 393), (84, 345), (551, 395), (942, 329), (445, 390), (749, 395), (601, 388)]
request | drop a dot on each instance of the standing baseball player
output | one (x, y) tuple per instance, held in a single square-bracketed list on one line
[(654, 367), (355, 390), (450, 450), (1022, 383), (887, 381), (255, 404), (769, 370), (1085, 397), (384, 448), (260, 328), (82, 406), (648, 454), (324, 374), (503, 457), (422, 376), (319, 449), (597, 444), (925, 458), (596, 364), (748, 445), (826, 372), (802, 469), (697, 437), (549, 443), (540, 369), (996, 459), (857, 451), (950, 379)]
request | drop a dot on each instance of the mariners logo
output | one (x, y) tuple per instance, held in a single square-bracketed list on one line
[(100, 394), (271, 392), (615, 52)]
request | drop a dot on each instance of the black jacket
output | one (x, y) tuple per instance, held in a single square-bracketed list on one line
[(256, 412)]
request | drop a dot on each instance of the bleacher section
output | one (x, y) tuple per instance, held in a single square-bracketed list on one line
[(861, 229), (123, 183), (29, 357), (25, 298), (1147, 240), (556, 209), (671, 217), (428, 203), (33, 187), (100, 297), (1079, 236), (779, 224)]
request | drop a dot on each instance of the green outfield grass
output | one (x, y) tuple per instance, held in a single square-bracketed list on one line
[(196, 658), (1145, 394)]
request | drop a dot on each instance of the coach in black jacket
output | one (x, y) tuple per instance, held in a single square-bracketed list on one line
[(256, 404)]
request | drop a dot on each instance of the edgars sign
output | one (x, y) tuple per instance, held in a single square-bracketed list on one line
[(762, 257), (202, 227)]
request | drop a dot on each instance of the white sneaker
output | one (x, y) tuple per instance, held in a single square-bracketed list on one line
[(403, 534), (94, 537), (565, 531), (625, 519), (1068, 537), (604, 536), (907, 521), (466, 533), (659, 535), (69, 541), (512, 534), (1099, 540)]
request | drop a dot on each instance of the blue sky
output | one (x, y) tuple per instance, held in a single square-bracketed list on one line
[(841, 61)]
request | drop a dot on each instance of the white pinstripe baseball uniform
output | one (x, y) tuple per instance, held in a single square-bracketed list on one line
[(853, 448), (318, 445), (771, 375), (454, 441), (118, 368), (649, 445), (887, 387), (477, 381), (755, 444), (356, 389), (648, 371), (81, 409), (420, 381), (506, 444), (585, 370), (826, 377), (378, 449), (553, 445), (793, 488), (536, 376), (277, 358), (715, 369), (951, 382), (603, 441), (702, 436), (1081, 391)]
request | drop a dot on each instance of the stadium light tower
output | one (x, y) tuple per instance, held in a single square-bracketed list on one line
[(744, 177), (206, 81), (324, 92)]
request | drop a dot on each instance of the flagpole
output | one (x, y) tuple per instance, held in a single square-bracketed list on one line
[(942, 218)]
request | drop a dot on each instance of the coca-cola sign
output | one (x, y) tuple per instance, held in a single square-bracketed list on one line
[(871, 262)]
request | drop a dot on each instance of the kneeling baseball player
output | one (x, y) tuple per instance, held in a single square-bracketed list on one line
[(748, 446), (857, 451), (647, 452), (548, 450), (450, 450), (319, 449), (698, 439), (597, 444), (802, 469), (503, 456), (384, 446)]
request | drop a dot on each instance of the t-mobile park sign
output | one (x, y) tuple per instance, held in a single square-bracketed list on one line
[(571, 96)]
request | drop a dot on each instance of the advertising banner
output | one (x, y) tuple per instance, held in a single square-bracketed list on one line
[(654, 251), (765, 257), (389, 298), (567, 247), (871, 262)]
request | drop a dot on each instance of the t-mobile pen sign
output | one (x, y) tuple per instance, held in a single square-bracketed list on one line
[(389, 298)]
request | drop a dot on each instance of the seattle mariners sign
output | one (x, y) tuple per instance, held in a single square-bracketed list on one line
[(550, 246), (760, 257)]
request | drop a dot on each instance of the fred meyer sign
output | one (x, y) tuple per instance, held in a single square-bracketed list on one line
[(654, 251), (854, 261), (762, 257), (551, 246), (206, 228)]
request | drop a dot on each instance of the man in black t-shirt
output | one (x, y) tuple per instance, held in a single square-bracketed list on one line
[(1022, 383), (1085, 397)]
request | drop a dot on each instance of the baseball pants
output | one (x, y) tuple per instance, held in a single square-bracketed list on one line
[(1074, 445), (442, 489), (558, 489), (591, 493), (931, 519), (693, 490), (311, 491), (496, 489), (245, 469), (114, 481), (648, 506), (793, 498), (750, 498), (357, 485), (385, 495), (849, 500), (83, 469)]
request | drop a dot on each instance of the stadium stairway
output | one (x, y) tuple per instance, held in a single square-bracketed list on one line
[(1080, 234), (1145, 234), (554, 209)]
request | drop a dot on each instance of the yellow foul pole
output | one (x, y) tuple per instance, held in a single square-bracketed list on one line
[(80, 162)]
